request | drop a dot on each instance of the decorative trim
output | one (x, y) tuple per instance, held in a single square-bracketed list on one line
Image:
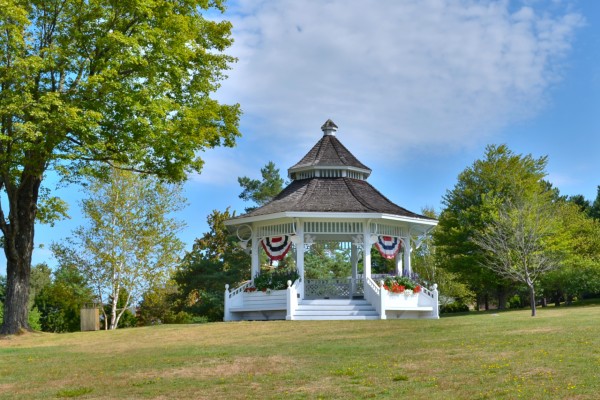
[(388, 246), (276, 247)]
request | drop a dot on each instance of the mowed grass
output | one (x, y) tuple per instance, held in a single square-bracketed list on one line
[(481, 356)]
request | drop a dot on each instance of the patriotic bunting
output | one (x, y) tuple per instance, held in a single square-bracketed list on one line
[(276, 247), (388, 246)]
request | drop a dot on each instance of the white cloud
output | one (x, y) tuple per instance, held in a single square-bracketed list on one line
[(394, 75)]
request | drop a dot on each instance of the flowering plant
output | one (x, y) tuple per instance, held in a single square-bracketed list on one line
[(273, 279), (401, 284)]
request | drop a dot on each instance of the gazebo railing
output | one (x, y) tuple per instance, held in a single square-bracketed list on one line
[(336, 288)]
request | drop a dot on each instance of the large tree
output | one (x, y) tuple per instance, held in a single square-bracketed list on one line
[(87, 83), (481, 190), (130, 243)]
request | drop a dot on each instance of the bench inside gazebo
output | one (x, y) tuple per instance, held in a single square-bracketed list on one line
[(330, 201)]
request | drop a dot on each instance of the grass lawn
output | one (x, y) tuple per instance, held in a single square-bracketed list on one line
[(480, 356)]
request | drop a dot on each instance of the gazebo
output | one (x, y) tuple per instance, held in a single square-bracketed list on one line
[(330, 200)]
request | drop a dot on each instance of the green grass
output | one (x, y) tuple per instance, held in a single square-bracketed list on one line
[(507, 355)]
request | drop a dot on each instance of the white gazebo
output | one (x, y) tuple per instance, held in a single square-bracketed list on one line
[(330, 200)]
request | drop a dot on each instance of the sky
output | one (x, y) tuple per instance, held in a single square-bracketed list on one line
[(418, 88)]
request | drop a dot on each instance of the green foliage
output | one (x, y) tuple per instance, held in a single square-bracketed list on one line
[(160, 305), (41, 277), (501, 176), (60, 302), (85, 86), (261, 191), (34, 319), (214, 260), (2, 288), (275, 278), (131, 241), (454, 307), (327, 260), (426, 265), (594, 210), (579, 273)]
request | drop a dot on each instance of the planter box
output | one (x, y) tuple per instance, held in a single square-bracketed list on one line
[(400, 300), (256, 301)]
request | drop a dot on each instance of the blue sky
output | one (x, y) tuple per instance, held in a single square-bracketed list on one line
[(417, 88)]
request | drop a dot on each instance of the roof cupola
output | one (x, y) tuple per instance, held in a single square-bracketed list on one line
[(329, 128), (329, 159)]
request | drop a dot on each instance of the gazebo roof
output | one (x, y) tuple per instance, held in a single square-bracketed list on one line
[(329, 152), (331, 195), (329, 179)]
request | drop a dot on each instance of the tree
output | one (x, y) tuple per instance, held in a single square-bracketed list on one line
[(60, 302), (85, 84), (579, 274), (524, 242), (594, 210), (214, 259), (261, 191), (426, 264), (131, 241), (482, 189), (161, 304)]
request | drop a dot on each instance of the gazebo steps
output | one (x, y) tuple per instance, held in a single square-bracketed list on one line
[(335, 310)]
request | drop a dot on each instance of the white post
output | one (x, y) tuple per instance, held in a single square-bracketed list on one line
[(226, 313), (367, 250), (300, 254), (436, 305), (354, 262), (292, 301), (255, 268), (407, 266), (382, 295)]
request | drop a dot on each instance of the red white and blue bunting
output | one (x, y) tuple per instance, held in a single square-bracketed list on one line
[(388, 246), (276, 247)]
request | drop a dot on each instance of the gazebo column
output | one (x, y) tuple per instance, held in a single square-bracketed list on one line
[(300, 254), (255, 267), (399, 263), (354, 262), (406, 248), (367, 250)]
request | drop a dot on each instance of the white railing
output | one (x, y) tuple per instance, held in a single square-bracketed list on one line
[(292, 299), (373, 296), (233, 299)]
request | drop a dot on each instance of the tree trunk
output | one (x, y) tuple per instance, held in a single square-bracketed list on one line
[(532, 298), (18, 234), (501, 292)]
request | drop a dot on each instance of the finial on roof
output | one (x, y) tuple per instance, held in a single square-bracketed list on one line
[(329, 128)]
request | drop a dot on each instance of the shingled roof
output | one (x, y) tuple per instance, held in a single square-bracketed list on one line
[(330, 179), (330, 152), (331, 195)]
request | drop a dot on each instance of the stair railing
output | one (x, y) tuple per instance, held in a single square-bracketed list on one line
[(234, 298), (292, 298), (373, 296)]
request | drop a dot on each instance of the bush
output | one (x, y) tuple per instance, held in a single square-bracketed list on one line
[(456, 307), (275, 279)]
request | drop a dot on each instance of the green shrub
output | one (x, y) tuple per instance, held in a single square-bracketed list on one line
[(456, 307), (275, 279)]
